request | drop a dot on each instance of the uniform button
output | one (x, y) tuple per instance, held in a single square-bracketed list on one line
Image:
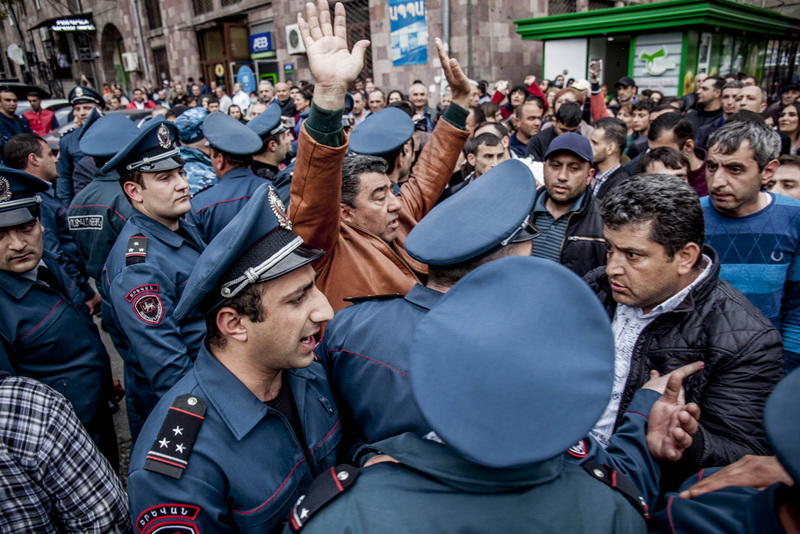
[(191, 401), (342, 475), (599, 473)]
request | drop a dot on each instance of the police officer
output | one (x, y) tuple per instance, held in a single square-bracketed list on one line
[(84, 100), (387, 134), (231, 445), (193, 151), (506, 386), (276, 144), (148, 266), (32, 154), (99, 211), (44, 326), (232, 147), (746, 510)]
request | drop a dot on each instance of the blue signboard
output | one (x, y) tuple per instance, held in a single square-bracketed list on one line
[(247, 78), (261, 45), (409, 31)]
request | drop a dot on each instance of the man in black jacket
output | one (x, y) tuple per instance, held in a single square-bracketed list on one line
[(608, 143), (661, 287), (566, 211)]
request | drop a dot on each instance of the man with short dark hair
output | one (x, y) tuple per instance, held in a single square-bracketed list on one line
[(640, 125), (663, 291), (140, 100), (11, 124), (709, 102), (147, 268), (568, 119), (756, 233), (786, 180), (346, 207), (566, 211), (425, 117), (752, 98), (41, 121), (666, 160), (483, 152), (730, 98), (608, 144), (376, 100), (527, 121)]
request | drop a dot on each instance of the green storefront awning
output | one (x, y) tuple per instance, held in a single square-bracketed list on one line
[(668, 15)]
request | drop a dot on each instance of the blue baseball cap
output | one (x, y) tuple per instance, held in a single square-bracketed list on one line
[(485, 216), (257, 245), (154, 149), (498, 371), (571, 142), (783, 424), (190, 124), (382, 132), (81, 94), (19, 196), (268, 123), (228, 135), (107, 136)]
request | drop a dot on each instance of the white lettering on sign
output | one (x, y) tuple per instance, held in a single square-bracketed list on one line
[(409, 9)]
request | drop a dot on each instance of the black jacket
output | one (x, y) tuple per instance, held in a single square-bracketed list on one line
[(743, 358), (537, 146), (584, 247), (618, 176)]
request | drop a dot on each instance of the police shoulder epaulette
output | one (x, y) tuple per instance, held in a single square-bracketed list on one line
[(609, 476), (69, 130), (325, 488), (169, 454), (137, 249), (366, 298)]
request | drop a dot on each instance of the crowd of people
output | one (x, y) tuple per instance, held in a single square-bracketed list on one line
[(342, 308)]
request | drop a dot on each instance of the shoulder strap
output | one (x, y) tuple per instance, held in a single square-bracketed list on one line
[(169, 454), (367, 298), (616, 481), (137, 249), (324, 489)]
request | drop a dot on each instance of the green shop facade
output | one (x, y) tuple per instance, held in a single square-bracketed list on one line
[(664, 45)]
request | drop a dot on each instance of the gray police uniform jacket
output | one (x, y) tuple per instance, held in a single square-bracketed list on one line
[(435, 490)]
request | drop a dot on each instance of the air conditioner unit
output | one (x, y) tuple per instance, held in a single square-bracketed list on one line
[(294, 40), (130, 61)]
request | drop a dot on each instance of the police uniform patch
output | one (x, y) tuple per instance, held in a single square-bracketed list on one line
[(137, 250), (164, 139), (170, 518), (144, 288), (85, 222), (579, 450), (169, 454), (278, 209), (149, 308), (325, 488), (5, 189)]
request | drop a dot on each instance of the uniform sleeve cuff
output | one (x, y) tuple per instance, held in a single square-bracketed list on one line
[(325, 126), (456, 115)]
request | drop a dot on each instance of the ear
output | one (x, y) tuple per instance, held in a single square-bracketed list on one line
[(345, 213), (230, 324), (590, 176), (688, 148), (769, 171), (133, 191), (687, 257), (272, 145), (471, 159), (33, 160)]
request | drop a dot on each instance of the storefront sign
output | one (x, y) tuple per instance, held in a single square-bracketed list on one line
[(247, 78), (261, 45), (73, 25), (657, 61), (409, 31)]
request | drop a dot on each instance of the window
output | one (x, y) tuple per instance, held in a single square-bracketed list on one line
[(202, 6), (153, 13)]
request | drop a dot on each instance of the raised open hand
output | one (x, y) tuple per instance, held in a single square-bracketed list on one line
[(456, 79), (331, 63)]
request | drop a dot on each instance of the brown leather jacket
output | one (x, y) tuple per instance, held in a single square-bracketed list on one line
[(356, 262)]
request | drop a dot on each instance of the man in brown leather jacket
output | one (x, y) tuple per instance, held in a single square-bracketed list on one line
[(352, 215)]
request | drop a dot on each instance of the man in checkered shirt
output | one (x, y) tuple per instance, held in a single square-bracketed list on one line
[(53, 477)]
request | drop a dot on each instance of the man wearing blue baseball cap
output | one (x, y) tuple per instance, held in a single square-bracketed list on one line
[(566, 211), (194, 151), (346, 206), (45, 328), (99, 211), (234, 442), (505, 388), (232, 147), (148, 266), (84, 100)]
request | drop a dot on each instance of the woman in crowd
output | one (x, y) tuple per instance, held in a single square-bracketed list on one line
[(789, 125)]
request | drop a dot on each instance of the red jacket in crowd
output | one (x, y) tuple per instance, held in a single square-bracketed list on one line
[(148, 104), (41, 122)]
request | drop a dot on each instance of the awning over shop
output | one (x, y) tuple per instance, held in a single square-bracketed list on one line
[(672, 15), (81, 22)]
